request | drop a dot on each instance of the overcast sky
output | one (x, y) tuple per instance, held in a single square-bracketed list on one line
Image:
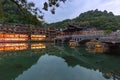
[(72, 8)]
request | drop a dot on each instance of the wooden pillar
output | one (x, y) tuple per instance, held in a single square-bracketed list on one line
[(29, 33)]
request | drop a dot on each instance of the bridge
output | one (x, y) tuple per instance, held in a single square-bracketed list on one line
[(111, 39)]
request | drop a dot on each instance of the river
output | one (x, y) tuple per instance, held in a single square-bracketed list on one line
[(45, 61)]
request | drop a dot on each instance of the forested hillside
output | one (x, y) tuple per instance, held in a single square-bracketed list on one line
[(93, 18), (12, 13)]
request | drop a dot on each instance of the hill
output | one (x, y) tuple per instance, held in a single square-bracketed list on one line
[(94, 18)]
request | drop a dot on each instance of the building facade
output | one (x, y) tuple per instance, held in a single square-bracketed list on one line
[(20, 32)]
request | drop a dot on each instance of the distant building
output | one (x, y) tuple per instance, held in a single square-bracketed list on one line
[(118, 31), (73, 29), (51, 33), (93, 32), (19, 29), (17, 32)]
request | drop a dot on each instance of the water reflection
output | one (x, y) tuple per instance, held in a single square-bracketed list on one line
[(38, 46), (108, 50), (107, 64), (13, 46), (96, 50), (55, 68), (20, 46), (54, 62), (95, 47)]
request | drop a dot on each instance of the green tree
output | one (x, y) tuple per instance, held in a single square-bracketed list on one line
[(24, 12), (108, 31)]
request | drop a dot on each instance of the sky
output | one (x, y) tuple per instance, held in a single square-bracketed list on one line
[(73, 8)]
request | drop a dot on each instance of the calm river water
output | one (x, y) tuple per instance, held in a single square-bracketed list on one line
[(40, 61)]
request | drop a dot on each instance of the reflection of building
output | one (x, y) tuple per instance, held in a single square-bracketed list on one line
[(72, 43), (20, 46), (37, 46), (13, 46), (95, 47)]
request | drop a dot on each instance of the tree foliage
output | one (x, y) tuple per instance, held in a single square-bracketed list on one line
[(11, 13), (24, 12), (108, 31), (30, 6)]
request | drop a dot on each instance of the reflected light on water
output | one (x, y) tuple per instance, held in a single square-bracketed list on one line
[(19, 46), (95, 47), (38, 46), (95, 50), (13, 46)]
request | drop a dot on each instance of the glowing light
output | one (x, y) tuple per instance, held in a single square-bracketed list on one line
[(19, 46), (38, 46), (13, 37), (38, 37), (1, 35), (43, 36), (13, 46), (4, 37)]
